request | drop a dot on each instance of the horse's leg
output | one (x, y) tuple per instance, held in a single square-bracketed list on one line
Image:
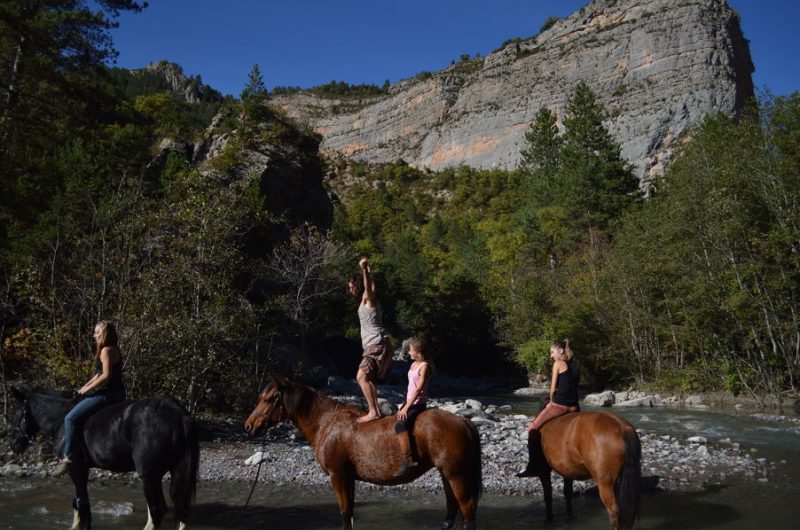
[(82, 513), (547, 492), (467, 501), (606, 489), (344, 486), (156, 504), (568, 495), (452, 504)]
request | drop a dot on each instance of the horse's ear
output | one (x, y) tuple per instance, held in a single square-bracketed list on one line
[(20, 392), (281, 383)]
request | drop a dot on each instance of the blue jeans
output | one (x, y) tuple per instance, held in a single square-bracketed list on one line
[(75, 417)]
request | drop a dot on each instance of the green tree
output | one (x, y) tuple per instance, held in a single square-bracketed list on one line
[(541, 154), (705, 274), (594, 182), (47, 49), (193, 330), (255, 87)]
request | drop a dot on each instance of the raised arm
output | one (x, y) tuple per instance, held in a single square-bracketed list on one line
[(369, 285)]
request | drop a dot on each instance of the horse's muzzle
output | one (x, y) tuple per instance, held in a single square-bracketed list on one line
[(252, 424)]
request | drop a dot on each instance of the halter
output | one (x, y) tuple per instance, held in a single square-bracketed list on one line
[(276, 401)]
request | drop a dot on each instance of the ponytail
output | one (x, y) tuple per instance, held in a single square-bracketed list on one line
[(564, 347), (567, 350)]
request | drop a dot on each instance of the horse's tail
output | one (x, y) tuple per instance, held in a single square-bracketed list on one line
[(184, 475), (627, 486), (476, 482)]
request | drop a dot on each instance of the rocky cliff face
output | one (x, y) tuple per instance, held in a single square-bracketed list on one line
[(190, 89), (658, 66)]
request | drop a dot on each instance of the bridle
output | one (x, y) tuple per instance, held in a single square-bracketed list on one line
[(275, 401)]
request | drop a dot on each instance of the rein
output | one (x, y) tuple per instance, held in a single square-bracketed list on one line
[(278, 399)]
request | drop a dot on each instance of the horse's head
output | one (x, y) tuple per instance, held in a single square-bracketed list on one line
[(270, 408), (23, 427)]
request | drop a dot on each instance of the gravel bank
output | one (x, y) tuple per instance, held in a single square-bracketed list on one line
[(668, 463)]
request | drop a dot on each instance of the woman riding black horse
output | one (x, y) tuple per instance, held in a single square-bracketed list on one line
[(105, 388), (152, 436)]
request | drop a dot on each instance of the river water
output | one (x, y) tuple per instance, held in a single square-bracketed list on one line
[(766, 501)]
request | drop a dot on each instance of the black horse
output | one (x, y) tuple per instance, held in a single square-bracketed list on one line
[(150, 436)]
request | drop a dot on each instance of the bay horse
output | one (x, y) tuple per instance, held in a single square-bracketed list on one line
[(599, 445), (150, 436), (348, 451)]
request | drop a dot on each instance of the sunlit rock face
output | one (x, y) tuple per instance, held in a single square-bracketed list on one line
[(658, 67)]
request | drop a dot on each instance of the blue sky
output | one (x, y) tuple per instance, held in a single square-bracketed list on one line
[(310, 42)]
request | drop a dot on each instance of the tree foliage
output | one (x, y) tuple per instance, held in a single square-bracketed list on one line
[(203, 266), (705, 277)]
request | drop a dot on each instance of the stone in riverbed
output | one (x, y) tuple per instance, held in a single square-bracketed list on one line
[(600, 399), (646, 401), (473, 404)]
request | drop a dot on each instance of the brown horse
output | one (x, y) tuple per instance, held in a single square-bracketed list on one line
[(599, 445), (348, 451)]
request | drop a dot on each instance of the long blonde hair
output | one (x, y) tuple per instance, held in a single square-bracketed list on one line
[(108, 337)]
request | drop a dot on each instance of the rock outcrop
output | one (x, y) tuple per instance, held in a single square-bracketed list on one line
[(658, 67), (189, 89)]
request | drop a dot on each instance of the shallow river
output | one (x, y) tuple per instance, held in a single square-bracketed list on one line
[(769, 501)]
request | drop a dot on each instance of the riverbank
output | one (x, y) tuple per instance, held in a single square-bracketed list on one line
[(672, 463)]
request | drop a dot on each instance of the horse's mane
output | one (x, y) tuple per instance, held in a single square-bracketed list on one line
[(300, 397), (66, 394)]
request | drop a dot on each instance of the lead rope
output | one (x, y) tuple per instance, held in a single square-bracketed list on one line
[(261, 460)]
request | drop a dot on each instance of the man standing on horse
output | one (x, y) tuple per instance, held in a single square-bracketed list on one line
[(374, 339)]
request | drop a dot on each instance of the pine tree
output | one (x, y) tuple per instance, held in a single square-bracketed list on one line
[(596, 184), (544, 143), (50, 45), (255, 87)]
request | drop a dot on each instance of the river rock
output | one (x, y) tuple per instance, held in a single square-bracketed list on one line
[(482, 420), (600, 399), (697, 440), (386, 408), (257, 458), (473, 404), (647, 401), (472, 413), (693, 401), (531, 391)]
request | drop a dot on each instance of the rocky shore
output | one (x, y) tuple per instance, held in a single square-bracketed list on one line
[(674, 463)]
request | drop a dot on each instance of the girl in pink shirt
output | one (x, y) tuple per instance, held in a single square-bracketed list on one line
[(419, 374)]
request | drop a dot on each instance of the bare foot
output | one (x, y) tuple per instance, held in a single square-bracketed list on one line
[(368, 417)]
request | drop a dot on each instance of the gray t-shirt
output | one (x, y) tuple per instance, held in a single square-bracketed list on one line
[(371, 319)]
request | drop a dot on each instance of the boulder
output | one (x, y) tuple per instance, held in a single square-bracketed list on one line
[(600, 399)]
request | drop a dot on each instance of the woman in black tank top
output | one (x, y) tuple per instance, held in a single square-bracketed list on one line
[(104, 388), (563, 399)]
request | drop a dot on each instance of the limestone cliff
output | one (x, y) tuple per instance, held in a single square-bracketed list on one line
[(658, 66)]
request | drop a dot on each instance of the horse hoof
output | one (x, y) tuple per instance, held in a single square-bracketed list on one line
[(448, 525)]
